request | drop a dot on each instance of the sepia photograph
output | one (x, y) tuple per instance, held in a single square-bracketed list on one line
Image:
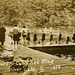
[(37, 37)]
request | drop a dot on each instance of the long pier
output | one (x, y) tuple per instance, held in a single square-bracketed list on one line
[(64, 67), (52, 65), (57, 48)]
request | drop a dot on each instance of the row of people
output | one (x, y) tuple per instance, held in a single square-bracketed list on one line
[(16, 34), (51, 37), (26, 36)]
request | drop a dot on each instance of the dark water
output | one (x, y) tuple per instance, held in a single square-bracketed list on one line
[(64, 52)]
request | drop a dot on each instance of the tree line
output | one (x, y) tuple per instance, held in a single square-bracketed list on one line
[(37, 12)]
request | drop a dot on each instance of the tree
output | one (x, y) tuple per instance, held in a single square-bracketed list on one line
[(40, 13)]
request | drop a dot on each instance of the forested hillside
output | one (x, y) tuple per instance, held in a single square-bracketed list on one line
[(37, 12)]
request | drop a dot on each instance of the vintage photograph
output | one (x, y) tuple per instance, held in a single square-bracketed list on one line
[(37, 37)]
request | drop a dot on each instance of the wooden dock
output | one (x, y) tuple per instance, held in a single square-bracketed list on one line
[(66, 67), (67, 49), (52, 65)]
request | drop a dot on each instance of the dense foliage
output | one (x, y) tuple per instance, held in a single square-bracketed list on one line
[(37, 12)]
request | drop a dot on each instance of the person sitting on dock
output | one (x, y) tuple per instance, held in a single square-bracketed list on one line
[(51, 37), (43, 36), (73, 38), (60, 37), (28, 36), (35, 37), (68, 39)]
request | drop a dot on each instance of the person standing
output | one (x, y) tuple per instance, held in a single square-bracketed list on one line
[(35, 37), (24, 33), (51, 37), (2, 34), (43, 36), (28, 36), (16, 35), (68, 39), (73, 38), (60, 37), (11, 36)]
